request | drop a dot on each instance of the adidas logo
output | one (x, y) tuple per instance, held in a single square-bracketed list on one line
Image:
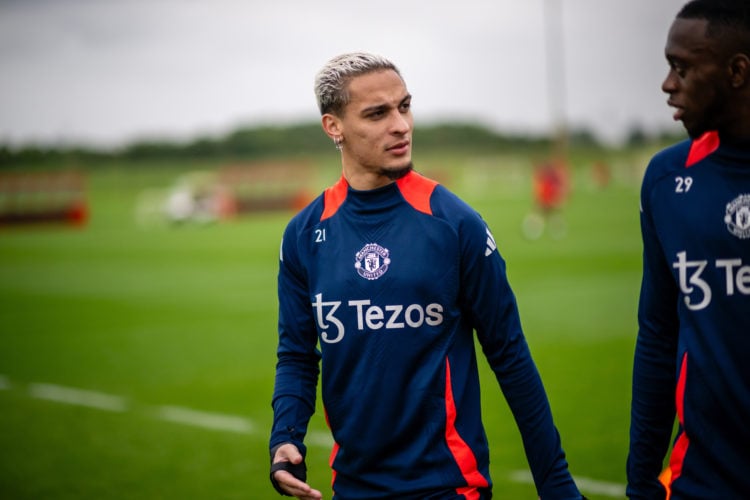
[(491, 245)]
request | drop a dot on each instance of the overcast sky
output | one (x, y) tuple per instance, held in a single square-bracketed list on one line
[(108, 72)]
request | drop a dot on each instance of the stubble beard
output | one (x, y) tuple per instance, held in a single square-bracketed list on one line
[(397, 173)]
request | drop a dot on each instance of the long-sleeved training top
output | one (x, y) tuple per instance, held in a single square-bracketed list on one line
[(391, 283), (692, 355)]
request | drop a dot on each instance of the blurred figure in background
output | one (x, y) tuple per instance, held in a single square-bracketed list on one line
[(551, 186), (691, 356), (391, 274)]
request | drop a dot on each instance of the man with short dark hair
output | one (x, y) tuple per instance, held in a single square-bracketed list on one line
[(691, 357), (390, 274)]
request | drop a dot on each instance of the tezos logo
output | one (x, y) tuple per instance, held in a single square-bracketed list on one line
[(737, 216), (698, 292), (372, 261)]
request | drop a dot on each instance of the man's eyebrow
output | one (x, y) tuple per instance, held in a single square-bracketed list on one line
[(384, 106), (377, 107)]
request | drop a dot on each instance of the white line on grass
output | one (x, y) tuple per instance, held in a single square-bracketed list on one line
[(216, 421), (78, 397), (233, 423), (587, 485)]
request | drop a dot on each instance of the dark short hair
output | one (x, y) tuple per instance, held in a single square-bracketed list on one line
[(722, 16)]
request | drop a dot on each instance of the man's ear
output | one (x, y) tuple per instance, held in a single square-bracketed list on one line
[(739, 70), (332, 126)]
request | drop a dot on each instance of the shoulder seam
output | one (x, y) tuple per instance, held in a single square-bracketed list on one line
[(417, 191), (334, 197), (702, 147)]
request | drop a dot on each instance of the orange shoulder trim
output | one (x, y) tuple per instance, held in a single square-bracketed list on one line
[(334, 197), (417, 190), (702, 147)]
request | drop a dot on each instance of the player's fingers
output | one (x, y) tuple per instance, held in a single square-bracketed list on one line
[(295, 487), (313, 495), (304, 493)]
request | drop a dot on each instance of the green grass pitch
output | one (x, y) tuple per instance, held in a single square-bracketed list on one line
[(184, 317)]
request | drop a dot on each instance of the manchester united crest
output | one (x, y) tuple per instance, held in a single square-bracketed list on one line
[(372, 261), (737, 216)]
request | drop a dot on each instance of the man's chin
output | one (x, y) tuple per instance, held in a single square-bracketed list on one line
[(693, 131), (696, 129), (395, 173)]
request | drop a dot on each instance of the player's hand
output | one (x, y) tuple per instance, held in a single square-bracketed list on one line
[(286, 480)]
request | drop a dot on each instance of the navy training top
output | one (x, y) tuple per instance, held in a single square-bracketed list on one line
[(387, 287), (691, 357)]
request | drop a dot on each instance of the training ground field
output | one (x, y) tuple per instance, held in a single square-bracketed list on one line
[(137, 362)]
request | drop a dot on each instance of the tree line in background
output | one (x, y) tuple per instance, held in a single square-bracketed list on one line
[(265, 141)]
